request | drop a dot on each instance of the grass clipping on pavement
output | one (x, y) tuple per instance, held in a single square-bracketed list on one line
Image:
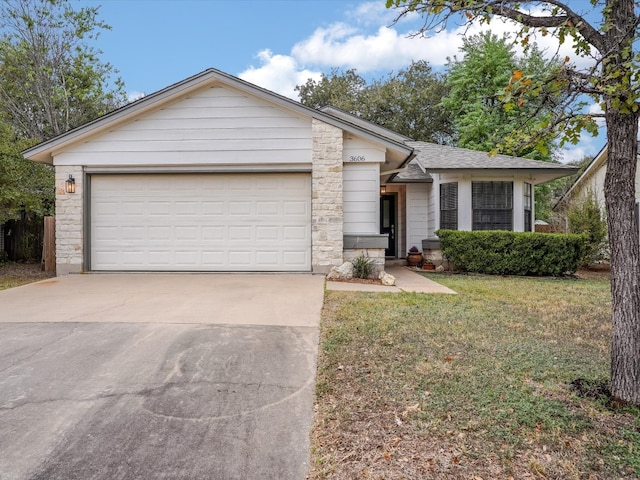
[(479, 385)]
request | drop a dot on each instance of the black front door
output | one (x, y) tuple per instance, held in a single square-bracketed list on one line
[(388, 222)]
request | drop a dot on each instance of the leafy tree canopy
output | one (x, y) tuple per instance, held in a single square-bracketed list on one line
[(51, 79), (407, 102), (24, 185), (477, 82)]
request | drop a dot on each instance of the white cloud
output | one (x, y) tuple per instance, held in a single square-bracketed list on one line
[(386, 49), (278, 73), (133, 96), (587, 145), (371, 13)]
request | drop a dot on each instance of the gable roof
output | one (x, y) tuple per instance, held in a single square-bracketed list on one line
[(43, 152)]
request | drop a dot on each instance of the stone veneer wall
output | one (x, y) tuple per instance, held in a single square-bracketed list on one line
[(69, 222), (326, 201)]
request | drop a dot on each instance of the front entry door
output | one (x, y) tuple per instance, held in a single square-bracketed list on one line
[(388, 222)]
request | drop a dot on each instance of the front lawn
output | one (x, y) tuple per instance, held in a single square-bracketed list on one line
[(506, 380)]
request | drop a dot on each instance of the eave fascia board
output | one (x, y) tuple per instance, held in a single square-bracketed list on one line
[(561, 172)]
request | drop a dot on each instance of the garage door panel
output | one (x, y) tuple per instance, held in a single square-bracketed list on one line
[(213, 208), (295, 208), (208, 222), (267, 232)]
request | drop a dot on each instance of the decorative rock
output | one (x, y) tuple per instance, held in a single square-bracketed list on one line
[(387, 279), (440, 268), (343, 271)]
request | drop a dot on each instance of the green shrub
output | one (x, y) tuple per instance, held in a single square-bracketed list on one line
[(587, 218), (363, 267), (4, 257), (512, 253)]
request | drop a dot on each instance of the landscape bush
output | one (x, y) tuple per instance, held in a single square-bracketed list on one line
[(587, 218), (363, 267), (513, 253)]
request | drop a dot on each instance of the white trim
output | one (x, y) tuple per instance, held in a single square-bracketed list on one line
[(202, 169)]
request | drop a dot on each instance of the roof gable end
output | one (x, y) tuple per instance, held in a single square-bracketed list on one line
[(44, 151)]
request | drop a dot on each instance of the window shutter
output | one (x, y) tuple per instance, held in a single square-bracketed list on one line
[(449, 206)]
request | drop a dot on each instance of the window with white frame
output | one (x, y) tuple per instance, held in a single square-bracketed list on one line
[(528, 207), (492, 204), (449, 206)]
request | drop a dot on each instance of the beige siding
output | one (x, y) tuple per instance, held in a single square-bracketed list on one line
[(433, 209), (416, 214), (216, 125), (595, 185), (357, 150), (361, 198)]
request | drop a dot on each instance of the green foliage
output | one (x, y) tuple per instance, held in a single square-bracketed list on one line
[(51, 79), (587, 218), (512, 253), (407, 102), (343, 90), (482, 119), (24, 185), (363, 267)]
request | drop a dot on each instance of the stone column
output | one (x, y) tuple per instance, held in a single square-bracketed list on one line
[(326, 203), (69, 222)]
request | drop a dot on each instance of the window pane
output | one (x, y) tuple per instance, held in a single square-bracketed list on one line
[(386, 214), (528, 202), (492, 205)]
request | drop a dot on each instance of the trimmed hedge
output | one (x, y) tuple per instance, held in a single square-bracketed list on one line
[(512, 253)]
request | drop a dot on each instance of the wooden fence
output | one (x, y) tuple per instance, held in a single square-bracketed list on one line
[(49, 245)]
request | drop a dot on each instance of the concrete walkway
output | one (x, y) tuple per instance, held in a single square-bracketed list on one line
[(406, 281)]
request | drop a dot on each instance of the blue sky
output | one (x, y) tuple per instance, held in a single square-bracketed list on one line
[(276, 44)]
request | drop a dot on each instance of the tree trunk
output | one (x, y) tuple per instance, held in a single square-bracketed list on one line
[(619, 189)]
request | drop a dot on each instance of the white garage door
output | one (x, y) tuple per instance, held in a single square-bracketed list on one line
[(201, 222)]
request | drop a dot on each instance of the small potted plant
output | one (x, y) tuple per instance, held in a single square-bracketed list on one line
[(428, 265), (414, 257)]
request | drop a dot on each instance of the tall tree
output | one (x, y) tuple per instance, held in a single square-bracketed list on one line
[(407, 102), (477, 82), (51, 79), (24, 185), (611, 79), (343, 90)]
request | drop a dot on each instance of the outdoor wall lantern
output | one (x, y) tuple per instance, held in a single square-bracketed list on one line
[(70, 185), (383, 189)]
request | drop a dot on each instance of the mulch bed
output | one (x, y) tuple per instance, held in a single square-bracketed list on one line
[(596, 271), (23, 270)]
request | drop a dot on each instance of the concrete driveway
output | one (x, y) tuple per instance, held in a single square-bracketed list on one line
[(151, 376)]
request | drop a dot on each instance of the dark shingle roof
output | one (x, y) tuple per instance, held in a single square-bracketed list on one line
[(434, 157), (413, 173)]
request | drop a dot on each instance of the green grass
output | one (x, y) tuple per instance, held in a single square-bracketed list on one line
[(452, 386)]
